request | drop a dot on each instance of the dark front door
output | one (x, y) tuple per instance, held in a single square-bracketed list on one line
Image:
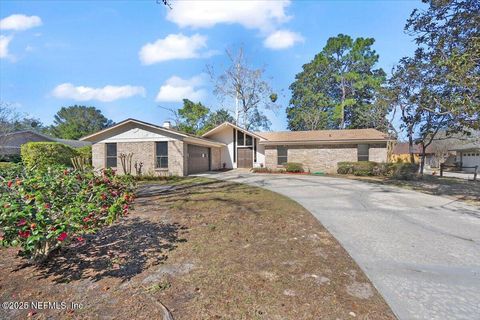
[(245, 158), (198, 159)]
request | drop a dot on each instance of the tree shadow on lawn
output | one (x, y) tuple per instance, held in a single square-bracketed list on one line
[(120, 251)]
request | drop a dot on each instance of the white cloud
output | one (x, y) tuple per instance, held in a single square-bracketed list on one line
[(175, 89), (175, 46), (105, 94), (4, 42), (19, 22), (282, 39), (262, 15)]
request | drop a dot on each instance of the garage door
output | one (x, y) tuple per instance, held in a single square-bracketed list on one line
[(471, 159), (198, 159)]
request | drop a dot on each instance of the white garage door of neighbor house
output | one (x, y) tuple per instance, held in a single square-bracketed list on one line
[(471, 159)]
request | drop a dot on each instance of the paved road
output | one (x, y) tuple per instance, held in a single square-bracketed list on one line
[(422, 252)]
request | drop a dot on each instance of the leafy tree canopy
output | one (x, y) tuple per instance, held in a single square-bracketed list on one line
[(337, 89), (74, 122)]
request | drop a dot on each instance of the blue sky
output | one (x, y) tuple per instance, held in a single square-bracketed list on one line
[(127, 58)]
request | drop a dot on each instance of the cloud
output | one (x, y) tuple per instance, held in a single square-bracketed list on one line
[(175, 46), (105, 94), (175, 89), (4, 42), (261, 15), (20, 22), (282, 39)]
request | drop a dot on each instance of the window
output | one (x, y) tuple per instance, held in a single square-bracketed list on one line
[(248, 140), (282, 155), (111, 155), (362, 152), (240, 138), (161, 154)]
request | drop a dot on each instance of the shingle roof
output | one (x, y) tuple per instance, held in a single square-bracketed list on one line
[(325, 135)]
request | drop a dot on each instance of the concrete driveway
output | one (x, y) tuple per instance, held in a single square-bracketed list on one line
[(422, 252)]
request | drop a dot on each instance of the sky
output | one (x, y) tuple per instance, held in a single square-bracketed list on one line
[(131, 58)]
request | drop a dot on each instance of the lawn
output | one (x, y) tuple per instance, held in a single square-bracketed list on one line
[(454, 188), (205, 249)]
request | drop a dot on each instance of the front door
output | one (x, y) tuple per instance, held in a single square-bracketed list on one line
[(245, 158)]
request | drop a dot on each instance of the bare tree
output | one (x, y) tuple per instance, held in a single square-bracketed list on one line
[(244, 87)]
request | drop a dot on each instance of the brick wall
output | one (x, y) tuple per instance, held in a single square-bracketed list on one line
[(314, 158), (98, 155), (143, 152), (378, 153), (176, 158)]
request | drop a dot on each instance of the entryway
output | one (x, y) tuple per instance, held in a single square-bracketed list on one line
[(245, 158), (198, 159)]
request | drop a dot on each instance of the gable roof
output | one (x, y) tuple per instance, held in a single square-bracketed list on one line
[(187, 137), (229, 124), (324, 136)]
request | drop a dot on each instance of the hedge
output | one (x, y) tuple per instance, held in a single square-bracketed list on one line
[(293, 167), (402, 171), (42, 155), (85, 152)]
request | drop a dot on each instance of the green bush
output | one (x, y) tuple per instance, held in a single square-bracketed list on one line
[(42, 155), (293, 167), (41, 210), (85, 152), (403, 171), (261, 170)]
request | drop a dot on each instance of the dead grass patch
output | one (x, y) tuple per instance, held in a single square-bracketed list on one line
[(207, 250)]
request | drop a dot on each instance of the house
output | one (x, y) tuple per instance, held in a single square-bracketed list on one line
[(10, 143), (468, 156), (401, 153), (165, 151)]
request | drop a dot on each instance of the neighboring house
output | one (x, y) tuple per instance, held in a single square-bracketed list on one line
[(468, 156), (10, 143), (164, 151), (401, 153)]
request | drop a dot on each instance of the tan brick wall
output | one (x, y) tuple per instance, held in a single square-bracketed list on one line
[(270, 157), (176, 157), (378, 152), (98, 155), (324, 158), (216, 162), (143, 152), (315, 158)]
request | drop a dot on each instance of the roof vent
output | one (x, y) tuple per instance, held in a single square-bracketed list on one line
[(167, 125)]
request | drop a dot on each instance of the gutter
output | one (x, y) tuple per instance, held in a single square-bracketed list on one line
[(322, 142)]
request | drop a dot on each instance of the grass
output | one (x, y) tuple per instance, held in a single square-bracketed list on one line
[(454, 188), (206, 249), (6, 165)]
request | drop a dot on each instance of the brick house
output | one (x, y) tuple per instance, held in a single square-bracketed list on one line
[(163, 150)]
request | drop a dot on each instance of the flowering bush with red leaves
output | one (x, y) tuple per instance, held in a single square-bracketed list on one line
[(43, 210)]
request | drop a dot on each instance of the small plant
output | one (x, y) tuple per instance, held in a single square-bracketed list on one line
[(80, 163), (164, 284), (138, 168)]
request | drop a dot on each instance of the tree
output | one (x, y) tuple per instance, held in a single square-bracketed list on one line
[(339, 86), (216, 118), (448, 38), (244, 86), (192, 117), (74, 122)]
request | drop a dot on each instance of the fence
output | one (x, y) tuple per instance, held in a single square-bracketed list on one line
[(443, 166)]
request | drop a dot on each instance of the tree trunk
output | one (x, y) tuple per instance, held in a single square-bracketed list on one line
[(422, 162), (410, 149)]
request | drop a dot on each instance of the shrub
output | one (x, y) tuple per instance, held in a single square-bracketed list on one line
[(85, 152), (293, 167), (360, 168), (41, 210), (403, 171), (42, 155), (261, 170)]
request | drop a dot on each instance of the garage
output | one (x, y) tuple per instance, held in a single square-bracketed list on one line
[(468, 156), (198, 159)]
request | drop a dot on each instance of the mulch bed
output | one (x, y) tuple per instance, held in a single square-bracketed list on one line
[(206, 250)]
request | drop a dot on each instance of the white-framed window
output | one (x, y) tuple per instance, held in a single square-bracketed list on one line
[(282, 155), (111, 155), (161, 155), (362, 152)]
